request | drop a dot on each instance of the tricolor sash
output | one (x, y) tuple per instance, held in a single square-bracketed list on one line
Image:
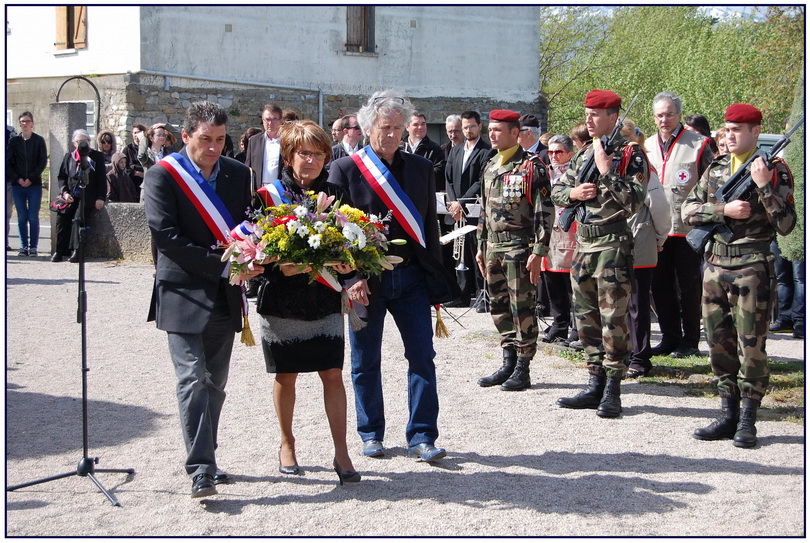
[(210, 206), (273, 194), (382, 182)]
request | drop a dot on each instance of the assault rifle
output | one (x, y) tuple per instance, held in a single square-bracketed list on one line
[(590, 173), (739, 186)]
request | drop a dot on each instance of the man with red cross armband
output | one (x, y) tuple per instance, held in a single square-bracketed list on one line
[(194, 199), (513, 234), (738, 277), (680, 157), (602, 266)]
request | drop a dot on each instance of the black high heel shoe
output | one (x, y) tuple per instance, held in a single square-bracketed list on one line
[(288, 470), (347, 476)]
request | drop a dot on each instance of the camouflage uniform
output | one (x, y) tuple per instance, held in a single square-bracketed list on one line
[(601, 271), (515, 222), (738, 278)]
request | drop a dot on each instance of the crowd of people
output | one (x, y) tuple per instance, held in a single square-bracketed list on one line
[(586, 228)]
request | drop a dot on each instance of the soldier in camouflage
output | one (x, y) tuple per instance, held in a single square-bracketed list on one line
[(513, 233), (601, 271), (738, 277)]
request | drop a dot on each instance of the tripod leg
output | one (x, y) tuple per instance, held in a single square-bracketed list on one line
[(104, 491), (38, 481), (127, 470)]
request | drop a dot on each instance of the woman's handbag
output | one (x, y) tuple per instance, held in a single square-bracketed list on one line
[(59, 206)]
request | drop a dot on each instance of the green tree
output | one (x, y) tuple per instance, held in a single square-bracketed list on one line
[(792, 245)]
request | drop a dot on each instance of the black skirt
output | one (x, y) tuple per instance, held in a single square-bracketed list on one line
[(299, 346)]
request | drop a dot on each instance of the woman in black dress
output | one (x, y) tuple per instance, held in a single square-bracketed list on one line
[(301, 321)]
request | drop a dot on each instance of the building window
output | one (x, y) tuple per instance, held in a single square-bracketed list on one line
[(71, 27), (360, 29)]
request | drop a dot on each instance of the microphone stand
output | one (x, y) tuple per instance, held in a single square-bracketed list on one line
[(87, 465)]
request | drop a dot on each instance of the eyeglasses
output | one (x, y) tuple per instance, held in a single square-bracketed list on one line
[(524, 129), (309, 156), (272, 120), (354, 127), (399, 99), (663, 116), (25, 121), (557, 152)]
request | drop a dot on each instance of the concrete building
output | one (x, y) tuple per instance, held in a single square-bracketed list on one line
[(145, 64)]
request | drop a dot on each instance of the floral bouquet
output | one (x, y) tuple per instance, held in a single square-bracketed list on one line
[(311, 231)]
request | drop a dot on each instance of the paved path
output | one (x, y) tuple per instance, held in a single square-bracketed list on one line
[(517, 465)]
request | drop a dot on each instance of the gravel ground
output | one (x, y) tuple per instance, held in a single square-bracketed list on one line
[(517, 465)]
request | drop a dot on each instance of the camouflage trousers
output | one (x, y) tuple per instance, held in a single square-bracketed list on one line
[(736, 306), (511, 299), (602, 288)]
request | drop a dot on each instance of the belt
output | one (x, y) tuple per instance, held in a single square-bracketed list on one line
[(511, 235), (596, 230), (740, 249)]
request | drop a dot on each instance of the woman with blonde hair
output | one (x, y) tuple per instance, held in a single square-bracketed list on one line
[(301, 321)]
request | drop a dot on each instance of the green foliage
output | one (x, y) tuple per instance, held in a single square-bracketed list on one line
[(647, 49), (792, 245)]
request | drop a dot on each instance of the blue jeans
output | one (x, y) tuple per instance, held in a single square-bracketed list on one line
[(27, 200), (403, 293)]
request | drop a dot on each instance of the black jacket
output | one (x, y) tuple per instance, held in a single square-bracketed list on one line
[(26, 159)]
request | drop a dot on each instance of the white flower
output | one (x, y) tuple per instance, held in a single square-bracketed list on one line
[(353, 232), (303, 231), (373, 218), (314, 241), (292, 225), (319, 226), (300, 212)]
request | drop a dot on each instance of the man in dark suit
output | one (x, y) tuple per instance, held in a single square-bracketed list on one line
[(264, 150), (462, 175), (420, 144), (192, 298), (349, 143), (407, 291)]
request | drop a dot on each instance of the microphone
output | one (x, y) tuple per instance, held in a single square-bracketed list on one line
[(84, 150)]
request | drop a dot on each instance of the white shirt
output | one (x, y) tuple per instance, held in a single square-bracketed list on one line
[(350, 150), (412, 146), (468, 148), (272, 152)]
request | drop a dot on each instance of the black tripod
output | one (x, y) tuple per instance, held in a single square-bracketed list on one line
[(87, 465)]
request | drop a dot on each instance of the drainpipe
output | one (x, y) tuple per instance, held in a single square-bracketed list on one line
[(168, 75)]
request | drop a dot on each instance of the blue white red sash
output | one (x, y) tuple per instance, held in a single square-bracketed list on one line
[(273, 194), (202, 196), (382, 182)]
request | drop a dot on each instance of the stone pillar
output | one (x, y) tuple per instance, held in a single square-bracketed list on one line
[(63, 119)]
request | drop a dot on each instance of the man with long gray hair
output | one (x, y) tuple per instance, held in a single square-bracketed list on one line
[(375, 175)]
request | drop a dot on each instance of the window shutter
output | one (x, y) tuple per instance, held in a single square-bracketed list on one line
[(80, 27), (61, 27)]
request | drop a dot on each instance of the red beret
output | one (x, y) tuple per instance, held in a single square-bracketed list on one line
[(602, 99), (503, 116), (743, 113)]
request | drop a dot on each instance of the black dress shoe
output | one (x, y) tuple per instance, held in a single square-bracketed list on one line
[(425, 452), (634, 373), (373, 448), (74, 257), (662, 349), (684, 352), (463, 301), (56, 257), (798, 332), (222, 478), (202, 486)]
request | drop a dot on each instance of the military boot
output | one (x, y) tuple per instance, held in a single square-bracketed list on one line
[(746, 435), (725, 426), (611, 405), (591, 396), (519, 380), (501, 375)]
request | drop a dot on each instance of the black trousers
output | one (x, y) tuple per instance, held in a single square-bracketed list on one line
[(676, 291), (67, 232), (638, 314), (558, 288)]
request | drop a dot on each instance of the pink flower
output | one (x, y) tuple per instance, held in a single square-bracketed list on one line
[(250, 251), (323, 202)]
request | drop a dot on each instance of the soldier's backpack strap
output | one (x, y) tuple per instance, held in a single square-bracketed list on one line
[(627, 156)]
